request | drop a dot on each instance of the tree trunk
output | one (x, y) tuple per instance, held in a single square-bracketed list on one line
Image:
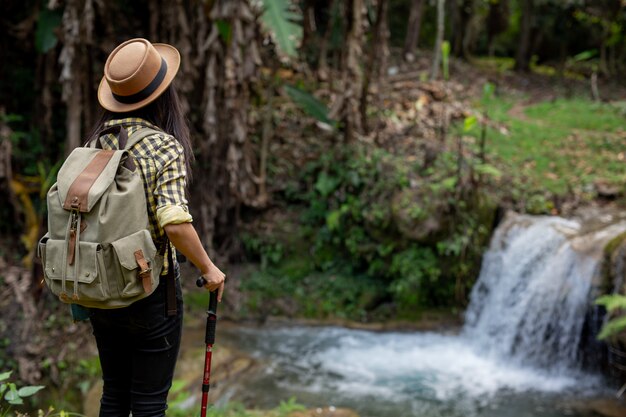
[(497, 22), (463, 15), (347, 105), (439, 39), (604, 67), (377, 60), (322, 67), (224, 151), (309, 27), (414, 26), (522, 59), (71, 73)]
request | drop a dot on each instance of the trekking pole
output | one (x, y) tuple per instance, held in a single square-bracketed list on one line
[(209, 339)]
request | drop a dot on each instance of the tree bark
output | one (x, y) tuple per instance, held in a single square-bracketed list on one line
[(463, 14), (309, 27), (497, 22), (70, 73), (434, 73), (225, 152), (522, 58), (377, 60), (322, 67), (347, 107), (414, 26)]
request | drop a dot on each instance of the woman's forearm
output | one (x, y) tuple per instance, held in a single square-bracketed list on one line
[(186, 240)]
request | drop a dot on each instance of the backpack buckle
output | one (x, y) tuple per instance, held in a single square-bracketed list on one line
[(75, 205), (145, 271)]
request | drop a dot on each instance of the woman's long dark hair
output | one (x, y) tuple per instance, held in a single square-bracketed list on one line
[(166, 113)]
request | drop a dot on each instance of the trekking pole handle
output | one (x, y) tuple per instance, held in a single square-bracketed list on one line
[(211, 321)]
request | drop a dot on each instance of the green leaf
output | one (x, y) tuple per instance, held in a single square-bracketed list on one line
[(5, 375), (326, 184), (288, 407), (489, 89), (612, 302), (12, 397), (613, 328), (449, 183), (333, 219), (445, 48), (29, 390), (585, 55), (489, 170), (309, 104), (225, 29), (469, 123), (47, 22), (283, 24)]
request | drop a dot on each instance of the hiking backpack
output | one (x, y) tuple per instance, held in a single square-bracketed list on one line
[(98, 251)]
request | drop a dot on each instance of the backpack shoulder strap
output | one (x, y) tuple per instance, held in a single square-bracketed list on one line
[(139, 135)]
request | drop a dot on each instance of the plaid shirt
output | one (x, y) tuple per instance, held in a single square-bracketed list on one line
[(162, 161)]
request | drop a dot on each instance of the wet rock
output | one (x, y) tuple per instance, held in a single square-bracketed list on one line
[(227, 366), (91, 403), (605, 407), (607, 190)]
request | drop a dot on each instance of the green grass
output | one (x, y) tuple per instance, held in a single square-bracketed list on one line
[(558, 147), (578, 114)]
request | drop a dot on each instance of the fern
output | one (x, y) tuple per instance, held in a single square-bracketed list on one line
[(613, 304), (283, 24), (613, 328), (309, 104)]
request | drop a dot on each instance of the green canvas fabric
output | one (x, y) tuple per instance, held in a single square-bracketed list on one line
[(105, 272)]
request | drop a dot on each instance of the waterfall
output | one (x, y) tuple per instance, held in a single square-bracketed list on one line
[(533, 292)]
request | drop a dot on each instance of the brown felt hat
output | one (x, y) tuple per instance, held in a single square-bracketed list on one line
[(136, 73)]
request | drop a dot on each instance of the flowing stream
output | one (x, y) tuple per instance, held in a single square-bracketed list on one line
[(518, 354)]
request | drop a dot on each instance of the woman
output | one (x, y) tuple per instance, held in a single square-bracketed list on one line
[(138, 345)]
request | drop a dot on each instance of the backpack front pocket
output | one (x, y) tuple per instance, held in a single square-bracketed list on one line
[(131, 252), (84, 279)]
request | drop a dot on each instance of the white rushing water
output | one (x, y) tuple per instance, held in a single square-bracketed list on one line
[(521, 336), (530, 301)]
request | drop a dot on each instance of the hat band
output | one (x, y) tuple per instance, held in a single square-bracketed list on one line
[(149, 89)]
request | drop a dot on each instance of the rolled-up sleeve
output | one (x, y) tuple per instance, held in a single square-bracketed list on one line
[(169, 193)]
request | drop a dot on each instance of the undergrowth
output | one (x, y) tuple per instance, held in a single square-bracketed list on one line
[(377, 237)]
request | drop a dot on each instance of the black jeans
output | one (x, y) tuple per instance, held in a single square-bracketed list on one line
[(138, 347)]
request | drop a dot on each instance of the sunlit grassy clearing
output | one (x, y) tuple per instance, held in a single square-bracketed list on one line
[(560, 146)]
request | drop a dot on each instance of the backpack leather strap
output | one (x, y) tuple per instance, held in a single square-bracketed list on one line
[(78, 193), (145, 272), (171, 282), (139, 135), (117, 130)]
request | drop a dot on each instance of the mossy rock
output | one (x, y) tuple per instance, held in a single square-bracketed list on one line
[(614, 244), (614, 255), (419, 215), (539, 204)]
